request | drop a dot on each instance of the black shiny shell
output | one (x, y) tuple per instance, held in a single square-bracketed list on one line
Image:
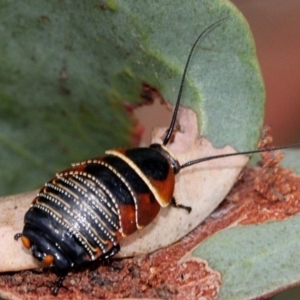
[(82, 213)]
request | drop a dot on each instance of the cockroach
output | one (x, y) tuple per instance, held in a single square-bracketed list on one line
[(81, 214)]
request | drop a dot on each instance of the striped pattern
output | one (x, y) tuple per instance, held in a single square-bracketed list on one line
[(97, 201), (84, 207)]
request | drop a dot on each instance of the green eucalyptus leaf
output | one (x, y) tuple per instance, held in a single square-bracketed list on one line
[(254, 260), (291, 160), (68, 67)]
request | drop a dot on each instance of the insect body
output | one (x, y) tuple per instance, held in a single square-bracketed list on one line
[(82, 213)]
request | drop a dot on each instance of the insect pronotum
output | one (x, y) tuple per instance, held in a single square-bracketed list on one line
[(81, 214)]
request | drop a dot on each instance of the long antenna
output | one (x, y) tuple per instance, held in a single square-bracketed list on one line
[(172, 124), (196, 161)]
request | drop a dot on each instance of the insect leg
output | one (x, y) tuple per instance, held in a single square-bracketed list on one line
[(58, 285), (114, 250), (175, 204), (18, 235)]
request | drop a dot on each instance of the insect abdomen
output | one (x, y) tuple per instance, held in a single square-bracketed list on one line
[(81, 214)]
